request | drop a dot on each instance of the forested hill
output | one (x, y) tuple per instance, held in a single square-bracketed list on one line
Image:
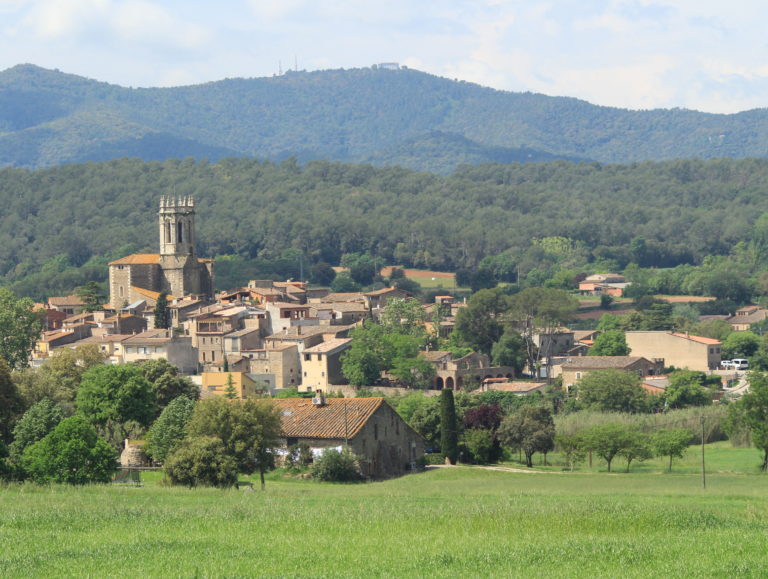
[(60, 226), (371, 115)]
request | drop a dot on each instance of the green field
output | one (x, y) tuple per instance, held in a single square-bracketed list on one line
[(446, 522)]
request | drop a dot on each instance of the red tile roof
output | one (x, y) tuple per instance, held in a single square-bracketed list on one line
[(137, 259), (700, 339), (338, 418)]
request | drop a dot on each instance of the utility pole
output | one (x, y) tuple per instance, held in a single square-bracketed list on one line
[(703, 471)]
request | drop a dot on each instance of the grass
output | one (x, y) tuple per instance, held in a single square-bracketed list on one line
[(443, 523)]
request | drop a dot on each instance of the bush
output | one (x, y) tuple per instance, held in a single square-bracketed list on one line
[(201, 461), (335, 466)]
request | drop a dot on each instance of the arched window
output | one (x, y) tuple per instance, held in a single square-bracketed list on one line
[(180, 236), (167, 231)]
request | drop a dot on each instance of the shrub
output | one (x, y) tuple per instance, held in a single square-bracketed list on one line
[(201, 461), (299, 456), (479, 445), (335, 466)]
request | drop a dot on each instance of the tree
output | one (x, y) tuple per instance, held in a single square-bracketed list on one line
[(637, 448), (72, 453), (414, 372), (479, 444), (752, 411), (610, 343), (34, 425), (740, 345), (478, 324), (612, 391), (572, 447), (230, 392), (59, 377), (249, 429), (426, 421), (344, 283), (169, 429), (671, 442), (449, 435), (531, 430), (20, 327), (541, 310), (167, 383), (162, 313), (510, 351), (91, 296), (321, 273), (608, 440), (335, 466), (113, 396), (404, 316), (11, 402), (685, 389), (201, 460)]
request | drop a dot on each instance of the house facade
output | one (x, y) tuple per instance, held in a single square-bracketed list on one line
[(676, 349), (575, 369), (385, 443)]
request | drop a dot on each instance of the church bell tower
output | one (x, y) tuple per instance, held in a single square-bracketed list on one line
[(177, 226)]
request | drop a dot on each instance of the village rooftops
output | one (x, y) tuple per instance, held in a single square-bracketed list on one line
[(343, 297), (434, 355), (336, 418), (60, 301), (301, 332), (329, 347), (158, 336), (601, 362)]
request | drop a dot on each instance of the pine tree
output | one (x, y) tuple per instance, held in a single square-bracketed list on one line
[(230, 391), (449, 438), (162, 318)]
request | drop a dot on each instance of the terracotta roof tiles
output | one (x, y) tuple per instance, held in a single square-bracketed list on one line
[(137, 259), (338, 418)]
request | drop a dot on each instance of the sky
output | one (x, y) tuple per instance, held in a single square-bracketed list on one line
[(706, 55)]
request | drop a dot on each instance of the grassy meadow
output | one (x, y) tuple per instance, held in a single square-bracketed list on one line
[(445, 522)]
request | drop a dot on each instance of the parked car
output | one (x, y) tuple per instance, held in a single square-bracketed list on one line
[(740, 364), (727, 364)]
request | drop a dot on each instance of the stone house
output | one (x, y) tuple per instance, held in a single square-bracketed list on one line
[(454, 374), (70, 305), (746, 316), (166, 344), (385, 443), (676, 349), (279, 366), (575, 369), (321, 365)]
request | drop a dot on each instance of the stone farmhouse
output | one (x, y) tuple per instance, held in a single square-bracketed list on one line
[(369, 426)]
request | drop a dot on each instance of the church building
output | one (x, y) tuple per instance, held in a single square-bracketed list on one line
[(176, 270)]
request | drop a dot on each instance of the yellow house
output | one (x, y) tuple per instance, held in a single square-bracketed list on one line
[(216, 383)]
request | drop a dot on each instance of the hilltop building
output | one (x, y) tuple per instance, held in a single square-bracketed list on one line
[(176, 269)]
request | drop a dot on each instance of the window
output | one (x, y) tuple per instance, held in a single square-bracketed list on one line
[(578, 375), (307, 357), (141, 350)]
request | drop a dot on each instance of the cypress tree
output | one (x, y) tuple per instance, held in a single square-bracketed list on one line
[(162, 320), (449, 438)]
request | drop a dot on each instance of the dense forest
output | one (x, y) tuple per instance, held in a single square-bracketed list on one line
[(60, 226), (396, 117)]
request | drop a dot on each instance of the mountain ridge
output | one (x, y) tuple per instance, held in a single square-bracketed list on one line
[(382, 117)]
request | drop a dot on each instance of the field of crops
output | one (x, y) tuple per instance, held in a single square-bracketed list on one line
[(446, 522)]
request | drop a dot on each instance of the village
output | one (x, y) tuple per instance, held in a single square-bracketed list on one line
[(272, 337)]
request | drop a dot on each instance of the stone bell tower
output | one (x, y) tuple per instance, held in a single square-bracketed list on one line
[(182, 272), (177, 226)]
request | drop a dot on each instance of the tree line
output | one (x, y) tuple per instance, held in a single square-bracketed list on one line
[(535, 224)]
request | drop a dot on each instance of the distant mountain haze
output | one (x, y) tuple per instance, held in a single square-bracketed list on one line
[(383, 117)]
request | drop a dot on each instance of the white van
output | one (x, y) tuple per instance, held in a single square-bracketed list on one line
[(740, 364)]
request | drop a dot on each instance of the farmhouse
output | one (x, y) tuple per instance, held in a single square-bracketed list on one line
[(371, 428), (575, 369)]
